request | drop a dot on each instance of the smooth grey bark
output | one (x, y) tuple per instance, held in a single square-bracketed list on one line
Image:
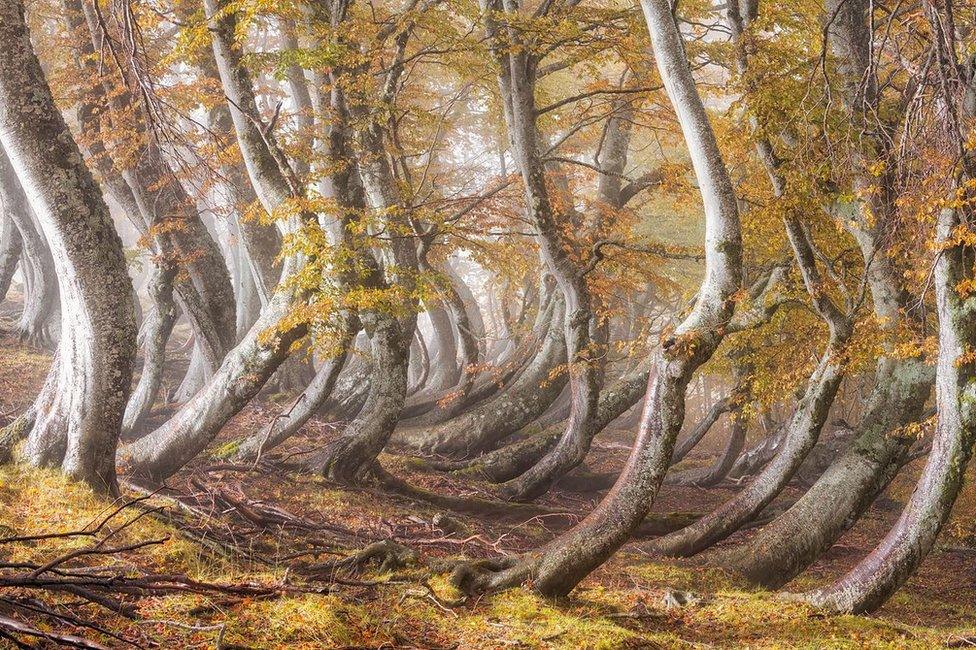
[(802, 432), (702, 427), (512, 460), (443, 349), (309, 402), (756, 457), (585, 339), (248, 366), (38, 322), (475, 319), (796, 538), (480, 428), (90, 382), (557, 567), (207, 297), (442, 407), (352, 456), (155, 331), (154, 334), (11, 247), (873, 580)]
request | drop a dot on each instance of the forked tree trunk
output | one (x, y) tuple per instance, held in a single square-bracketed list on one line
[(558, 566), (89, 384), (872, 581), (847, 488), (347, 458)]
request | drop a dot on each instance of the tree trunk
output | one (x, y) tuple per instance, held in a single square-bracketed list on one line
[(704, 425), (869, 584), (804, 428), (156, 330), (558, 566), (482, 427), (346, 459), (94, 362), (512, 460), (251, 363), (206, 297), (11, 247), (38, 322), (845, 490), (794, 540), (584, 343), (872, 581), (719, 469), (446, 405), (309, 402)]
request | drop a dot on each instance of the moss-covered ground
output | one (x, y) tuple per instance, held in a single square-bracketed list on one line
[(623, 605)]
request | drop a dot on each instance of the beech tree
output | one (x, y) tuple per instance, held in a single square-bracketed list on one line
[(75, 422), (484, 247)]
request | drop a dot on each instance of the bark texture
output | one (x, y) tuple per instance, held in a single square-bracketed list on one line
[(77, 426), (557, 567)]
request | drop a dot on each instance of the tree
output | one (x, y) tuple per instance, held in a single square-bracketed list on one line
[(76, 420)]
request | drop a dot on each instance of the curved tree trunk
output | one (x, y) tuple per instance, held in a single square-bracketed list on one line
[(443, 407), (802, 433), (869, 584), (92, 376), (512, 460), (251, 363), (704, 425), (794, 540), (346, 459), (473, 316), (206, 297), (11, 247), (757, 456), (444, 369), (719, 469), (309, 402), (37, 324), (872, 581), (529, 396), (844, 491), (558, 566), (155, 333), (585, 339)]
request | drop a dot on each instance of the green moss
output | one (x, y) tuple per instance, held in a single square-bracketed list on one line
[(521, 617), (227, 450)]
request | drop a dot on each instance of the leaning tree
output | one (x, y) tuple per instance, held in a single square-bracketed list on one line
[(75, 421)]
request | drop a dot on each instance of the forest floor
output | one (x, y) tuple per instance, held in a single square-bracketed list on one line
[(257, 551)]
